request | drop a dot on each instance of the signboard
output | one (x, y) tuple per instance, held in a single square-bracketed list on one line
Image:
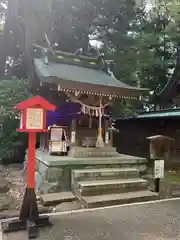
[(34, 118), (56, 134), (58, 147), (159, 169)]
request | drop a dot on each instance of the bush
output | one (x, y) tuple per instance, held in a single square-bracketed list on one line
[(12, 144)]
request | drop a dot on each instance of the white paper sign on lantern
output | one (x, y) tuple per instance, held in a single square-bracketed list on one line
[(34, 118)]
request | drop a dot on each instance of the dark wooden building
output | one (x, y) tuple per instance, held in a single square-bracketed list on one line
[(131, 138)]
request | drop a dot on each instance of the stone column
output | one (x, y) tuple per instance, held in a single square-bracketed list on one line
[(107, 140), (42, 142), (73, 132)]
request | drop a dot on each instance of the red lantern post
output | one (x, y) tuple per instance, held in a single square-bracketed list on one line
[(32, 121)]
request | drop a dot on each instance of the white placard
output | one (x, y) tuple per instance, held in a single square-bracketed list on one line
[(159, 169), (56, 146), (106, 138), (34, 118), (73, 137)]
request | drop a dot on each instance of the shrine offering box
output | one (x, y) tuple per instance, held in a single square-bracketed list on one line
[(58, 139)]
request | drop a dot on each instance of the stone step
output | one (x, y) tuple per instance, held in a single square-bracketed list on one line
[(85, 152), (56, 198), (98, 187), (104, 174), (117, 199)]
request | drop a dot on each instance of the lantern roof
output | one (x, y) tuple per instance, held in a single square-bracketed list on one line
[(35, 101)]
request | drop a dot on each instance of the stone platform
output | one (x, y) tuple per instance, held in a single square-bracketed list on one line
[(86, 152), (96, 177), (57, 169)]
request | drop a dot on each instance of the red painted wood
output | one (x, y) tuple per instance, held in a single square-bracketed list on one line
[(35, 101), (24, 118), (31, 130), (31, 160)]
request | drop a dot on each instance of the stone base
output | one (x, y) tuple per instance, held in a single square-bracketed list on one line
[(57, 169), (86, 152), (57, 198), (103, 187)]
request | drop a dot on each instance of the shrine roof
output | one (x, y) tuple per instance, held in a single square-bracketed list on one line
[(69, 76)]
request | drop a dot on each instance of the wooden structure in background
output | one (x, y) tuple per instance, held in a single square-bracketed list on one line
[(148, 124)]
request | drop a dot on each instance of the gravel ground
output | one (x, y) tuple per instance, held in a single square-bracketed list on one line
[(16, 179), (153, 221), (12, 186), (150, 221), (15, 176)]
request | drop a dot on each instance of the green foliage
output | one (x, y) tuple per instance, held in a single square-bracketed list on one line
[(143, 44), (154, 41), (125, 108), (11, 142), (148, 60)]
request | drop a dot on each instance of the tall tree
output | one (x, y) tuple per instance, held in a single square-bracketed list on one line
[(66, 23), (151, 56)]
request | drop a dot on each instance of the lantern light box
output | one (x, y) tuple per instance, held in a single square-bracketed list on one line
[(33, 114)]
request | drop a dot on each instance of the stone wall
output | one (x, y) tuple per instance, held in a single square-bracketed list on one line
[(57, 170), (62, 174)]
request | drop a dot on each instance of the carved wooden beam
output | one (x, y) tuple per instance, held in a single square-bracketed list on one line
[(72, 96), (75, 100)]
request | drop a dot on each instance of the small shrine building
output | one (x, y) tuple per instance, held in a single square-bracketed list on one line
[(80, 136), (83, 89)]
